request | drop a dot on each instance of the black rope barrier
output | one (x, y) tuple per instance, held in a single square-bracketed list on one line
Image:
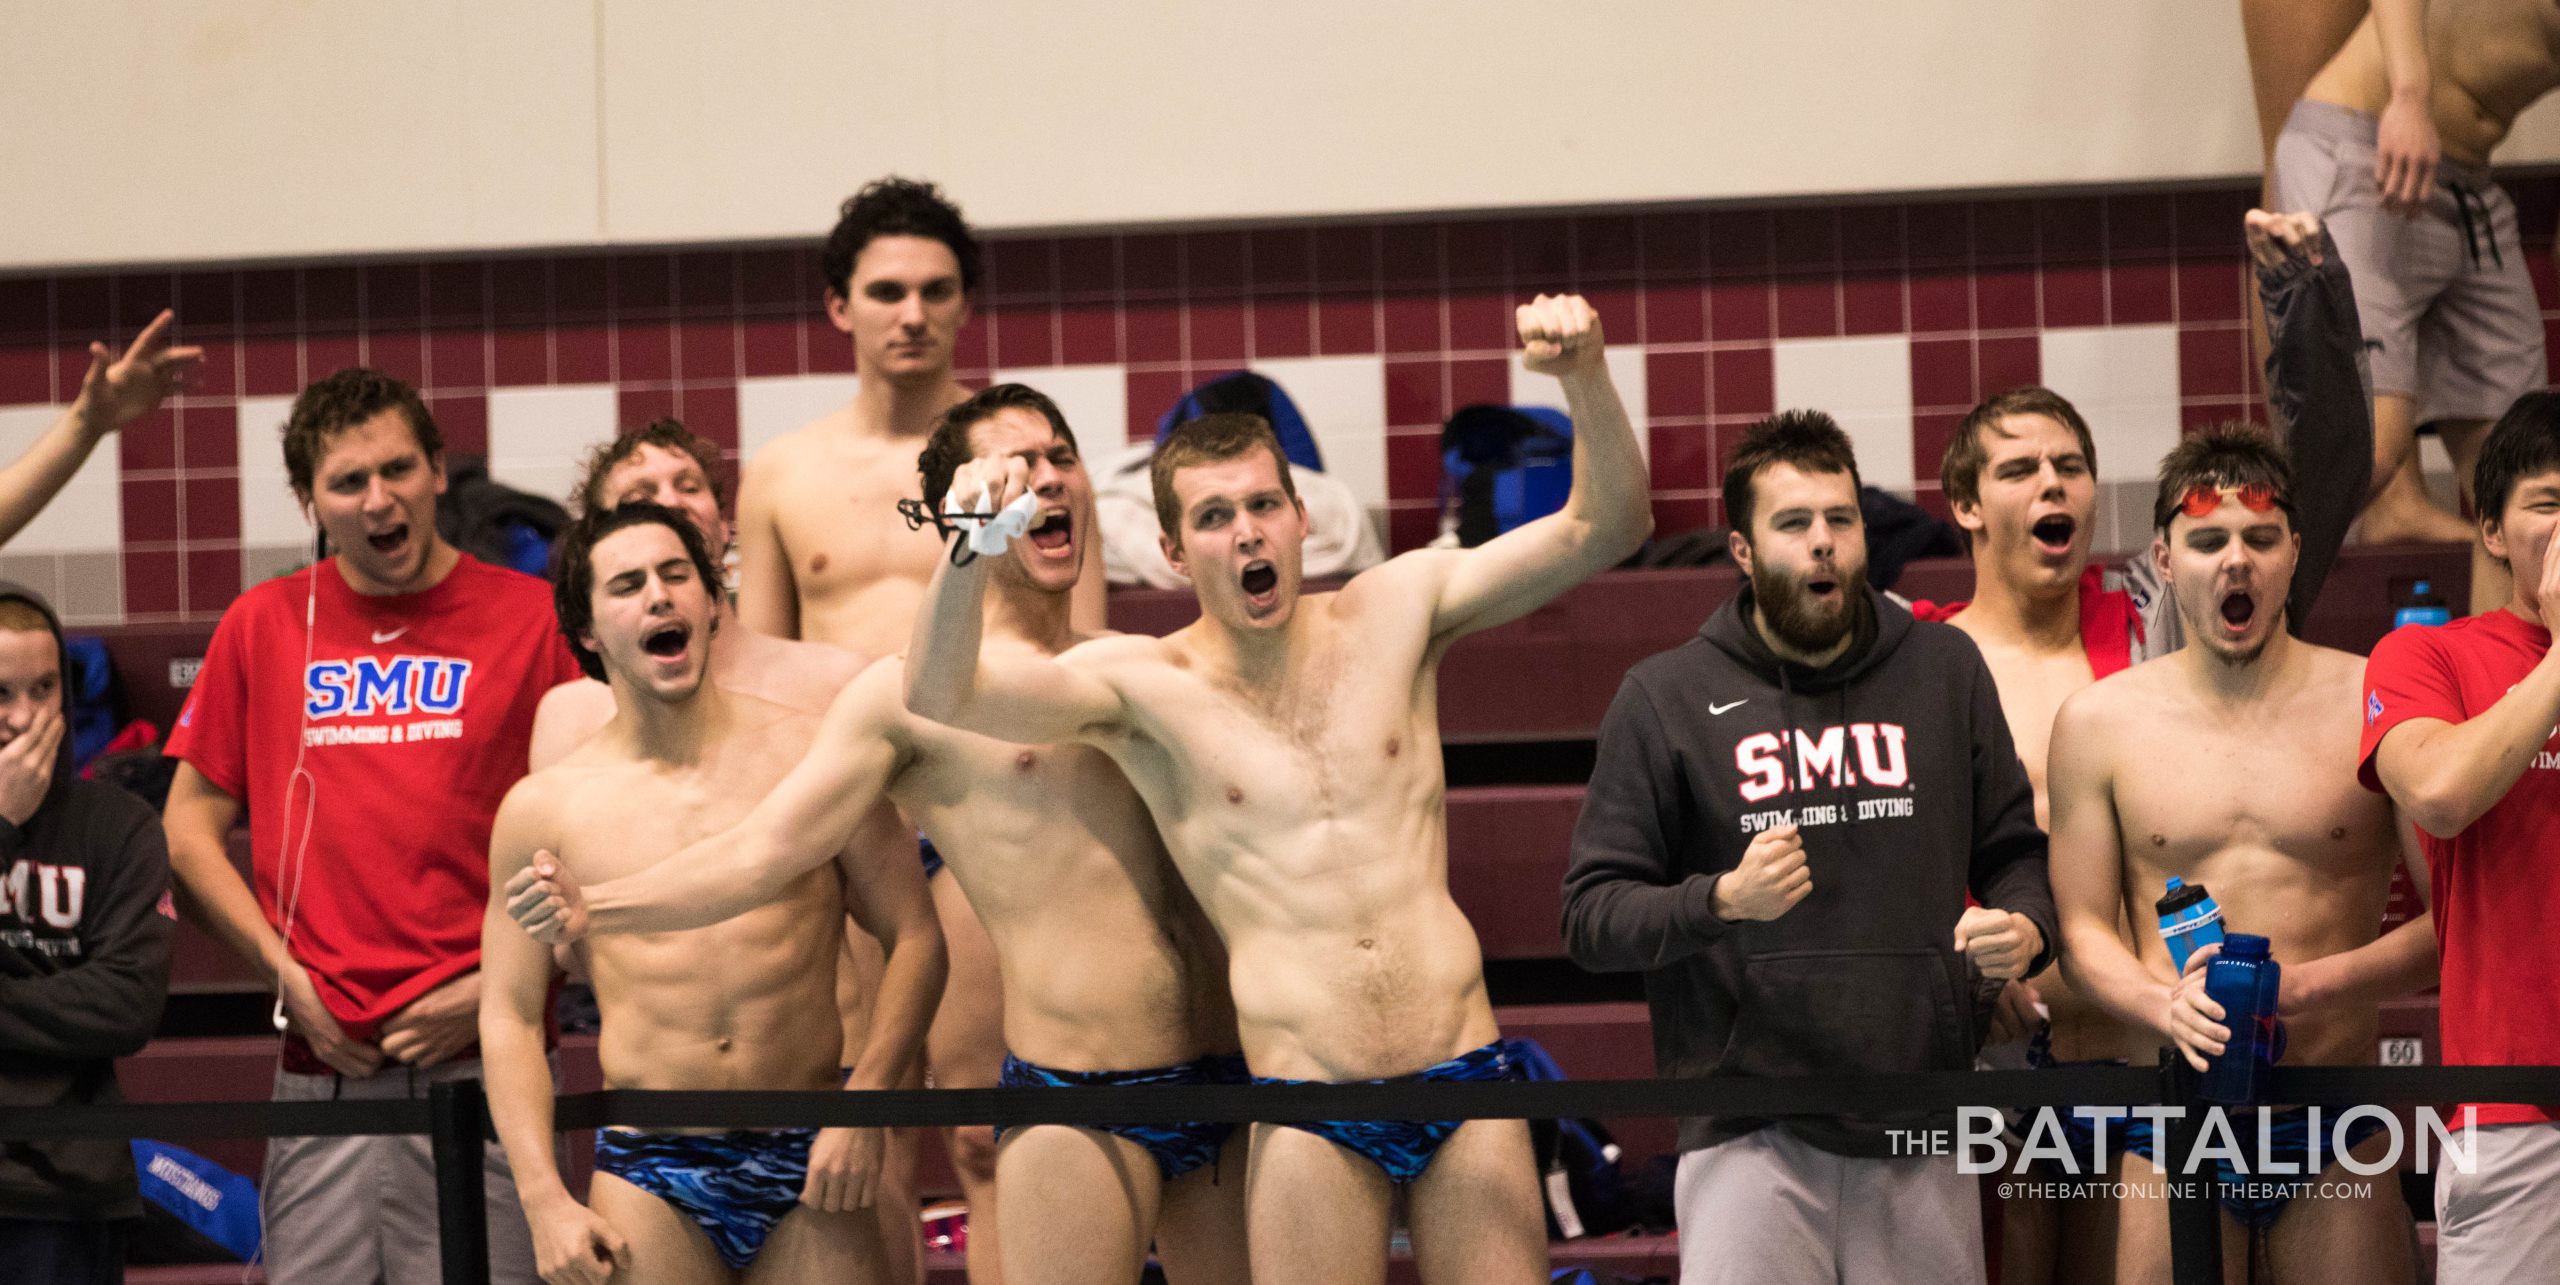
[(455, 1115)]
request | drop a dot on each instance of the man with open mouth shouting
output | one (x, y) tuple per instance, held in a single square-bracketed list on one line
[(748, 1004), (2231, 762), (1110, 974), (1288, 746), (366, 713)]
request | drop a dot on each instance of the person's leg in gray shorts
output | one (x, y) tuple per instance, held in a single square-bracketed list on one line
[(2480, 346), (362, 1211), (1767, 1209), (2404, 267), (2500, 1222)]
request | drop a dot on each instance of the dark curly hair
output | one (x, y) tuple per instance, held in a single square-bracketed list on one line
[(333, 405), (896, 206), (573, 568), (949, 448)]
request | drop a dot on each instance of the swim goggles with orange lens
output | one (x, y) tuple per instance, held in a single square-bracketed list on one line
[(2201, 500)]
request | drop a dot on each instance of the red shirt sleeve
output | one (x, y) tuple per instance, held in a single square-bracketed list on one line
[(2410, 675), (212, 732)]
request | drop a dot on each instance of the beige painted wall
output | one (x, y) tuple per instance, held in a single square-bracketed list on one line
[(255, 128), (177, 130)]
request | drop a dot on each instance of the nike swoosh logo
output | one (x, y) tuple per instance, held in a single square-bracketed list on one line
[(381, 636), (1714, 708)]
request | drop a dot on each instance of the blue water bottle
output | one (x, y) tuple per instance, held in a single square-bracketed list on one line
[(2244, 981), (2423, 606), (2189, 920)]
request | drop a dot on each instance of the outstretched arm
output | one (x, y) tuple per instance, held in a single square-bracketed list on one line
[(1026, 698), (798, 827), (115, 392), (1605, 518)]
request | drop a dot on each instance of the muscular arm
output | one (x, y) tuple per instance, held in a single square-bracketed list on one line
[(1024, 698), (2010, 866), (1605, 518), (768, 597), (197, 822), (515, 986), (803, 823), (2397, 963), (1623, 910), (886, 894), (2445, 775), (2088, 874), (2406, 146)]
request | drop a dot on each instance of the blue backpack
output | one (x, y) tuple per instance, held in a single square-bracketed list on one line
[(1251, 394), (1501, 466)]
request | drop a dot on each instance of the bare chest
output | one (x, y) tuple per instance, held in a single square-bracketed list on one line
[(1342, 737), (837, 511), (984, 795), (2183, 794), (2032, 688)]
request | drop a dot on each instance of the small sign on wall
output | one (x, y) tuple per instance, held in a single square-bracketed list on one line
[(2403, 1050)]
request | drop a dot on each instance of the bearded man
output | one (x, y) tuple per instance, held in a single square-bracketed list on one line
[(1787, 816)]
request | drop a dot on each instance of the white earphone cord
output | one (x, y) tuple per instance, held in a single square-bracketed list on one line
[(286, 853)]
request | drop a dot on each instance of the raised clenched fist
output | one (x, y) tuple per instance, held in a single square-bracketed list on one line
[(1560, 335)]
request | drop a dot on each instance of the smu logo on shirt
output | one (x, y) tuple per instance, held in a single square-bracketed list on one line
[(34, 890), (1821, 758), (378, 685)]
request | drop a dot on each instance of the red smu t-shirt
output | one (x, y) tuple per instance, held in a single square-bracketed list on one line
[(2496, 884), (414, 715)]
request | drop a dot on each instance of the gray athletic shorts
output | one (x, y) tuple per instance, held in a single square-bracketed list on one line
[(1769, 1209), (2450, 318), (2501, 1222), (362, 1211)]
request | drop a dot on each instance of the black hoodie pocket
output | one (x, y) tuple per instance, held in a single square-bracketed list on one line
[(1811, 1012)]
